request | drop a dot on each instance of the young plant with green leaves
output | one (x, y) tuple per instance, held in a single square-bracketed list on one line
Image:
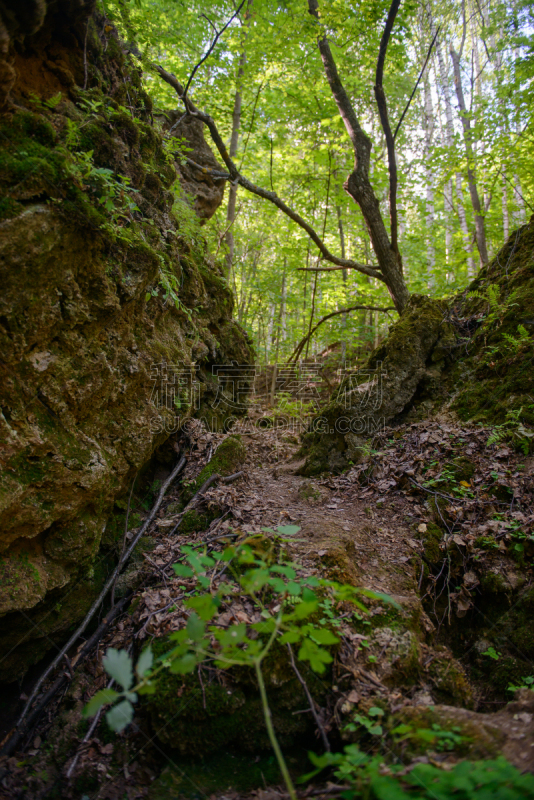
[(288, 606)]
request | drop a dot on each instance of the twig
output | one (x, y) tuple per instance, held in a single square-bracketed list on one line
[(90, 614), (311, 701), (384, 119), (125, 537), (211, 47), (21, 730), (85, 56), (234, 175), (202, 687), (399, 123), (199, 495), (299, 348), (87, 736)]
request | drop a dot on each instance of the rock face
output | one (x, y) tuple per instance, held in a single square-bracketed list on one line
[(105, 278), (207, 192), (408, 361)]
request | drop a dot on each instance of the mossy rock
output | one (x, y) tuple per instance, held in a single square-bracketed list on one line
[(432, 539), (226, 460), (425, 729), (198, 719), (83, 320)]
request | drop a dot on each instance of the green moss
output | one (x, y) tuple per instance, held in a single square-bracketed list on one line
[(497, 377), (432, 539), (199, 719), (226, 460)]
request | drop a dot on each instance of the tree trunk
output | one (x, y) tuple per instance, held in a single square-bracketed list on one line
[(480, 230), (357, 184), (234, 141), (344, 273), (449, 130), (428, 124)]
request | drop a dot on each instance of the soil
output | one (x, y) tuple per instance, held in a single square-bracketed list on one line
[(368, 527)]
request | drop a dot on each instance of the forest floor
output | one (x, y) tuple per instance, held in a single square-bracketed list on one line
[(428, 496)]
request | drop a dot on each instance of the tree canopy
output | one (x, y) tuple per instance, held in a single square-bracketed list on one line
[(440, 94)]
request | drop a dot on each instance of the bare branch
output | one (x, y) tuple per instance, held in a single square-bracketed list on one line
[(399, 123), (272, 197), (300, 347), (357, 184), (328, 269), (211, 48)]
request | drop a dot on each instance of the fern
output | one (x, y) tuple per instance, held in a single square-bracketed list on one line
[(491, 296), (522, 339)]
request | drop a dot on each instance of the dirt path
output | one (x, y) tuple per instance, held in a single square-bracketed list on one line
[(365, 527)]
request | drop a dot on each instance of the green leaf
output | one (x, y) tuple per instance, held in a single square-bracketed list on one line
[(288, 572), (375, 711), (118, 665), (100, 699), (205, 605), (287, 530), (294, 588), (233, 636), (120, 716), (291, 637), (278, 584), (318, 658), (146, 659), (323, 636), (303, 610), (182, 570), (183, 665), (195, 627)]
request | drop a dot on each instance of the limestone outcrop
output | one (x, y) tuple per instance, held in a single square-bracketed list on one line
[(105, 277)]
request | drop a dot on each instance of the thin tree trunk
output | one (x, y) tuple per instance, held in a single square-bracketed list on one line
[(357, 184), (344, 320), (449, 130), (480, 230), (519, 215), (428, 120), (314, 291), (505, 218), (234, 141)]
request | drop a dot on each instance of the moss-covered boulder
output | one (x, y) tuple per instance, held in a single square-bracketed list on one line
[(472, 353), (226, 460), (405, 365), (493, 382), (222, 708), (108, 294)]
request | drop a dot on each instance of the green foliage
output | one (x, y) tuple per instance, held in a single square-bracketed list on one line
[(513, 429), (288, 606), (370, 779), (522, 339), (527, 683), (293, 140)]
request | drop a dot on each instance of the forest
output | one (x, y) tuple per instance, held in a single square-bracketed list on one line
[(266, 399)]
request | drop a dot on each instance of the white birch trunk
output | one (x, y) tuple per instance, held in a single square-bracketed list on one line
[(428, 122), (449, 129)]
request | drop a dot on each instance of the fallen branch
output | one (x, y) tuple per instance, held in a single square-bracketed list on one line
[(311, 701), (200, 494), (109, 583), (21, 730), (300, 347)]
